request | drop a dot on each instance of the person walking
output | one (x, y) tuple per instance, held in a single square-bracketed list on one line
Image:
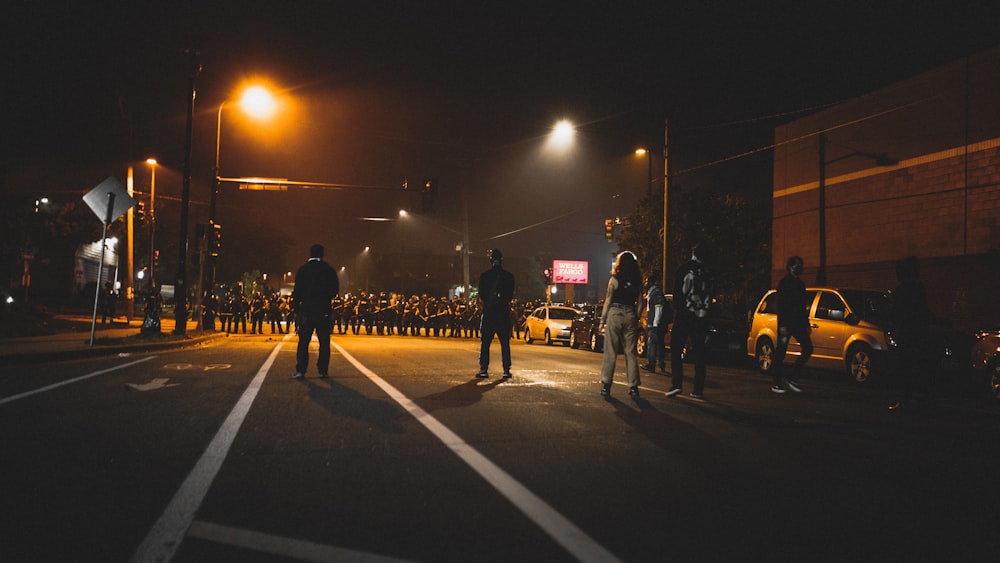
[(315, 285), (793, 322), (657, 317), (496, 289), (693, 288), (911, 317), (620, 322)]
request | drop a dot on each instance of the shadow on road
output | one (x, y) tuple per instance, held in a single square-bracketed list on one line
[(342, 400)]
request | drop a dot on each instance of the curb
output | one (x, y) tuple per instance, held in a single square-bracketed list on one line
[(105, 350)]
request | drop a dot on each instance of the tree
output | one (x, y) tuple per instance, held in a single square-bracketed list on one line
[(736, 232)]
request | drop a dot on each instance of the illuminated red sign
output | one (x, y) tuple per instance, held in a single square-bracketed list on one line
[(569, 271)]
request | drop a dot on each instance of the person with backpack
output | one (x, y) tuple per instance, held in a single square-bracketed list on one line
[(693, 298)]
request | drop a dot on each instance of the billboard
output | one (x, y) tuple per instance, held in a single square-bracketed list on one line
[(569, 271)]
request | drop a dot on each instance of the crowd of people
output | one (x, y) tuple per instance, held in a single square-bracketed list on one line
[(382, 313)]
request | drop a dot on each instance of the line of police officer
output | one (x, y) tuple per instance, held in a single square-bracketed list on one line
[(382, 314)]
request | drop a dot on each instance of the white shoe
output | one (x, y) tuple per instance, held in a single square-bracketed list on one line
[(298, 375), (794, 386), (777, 389)]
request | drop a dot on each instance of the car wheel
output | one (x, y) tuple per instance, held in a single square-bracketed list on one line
[(548, 338), (860, 363), (595, 343), (527, 336), (765, 355), (572, 341)]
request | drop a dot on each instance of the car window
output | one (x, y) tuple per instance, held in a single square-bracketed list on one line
[(770, 305), (562, 314), (831, 307), (871, 306)]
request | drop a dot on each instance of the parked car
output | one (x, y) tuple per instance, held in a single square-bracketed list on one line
[(851, 330), (726, 337), (551, 323), (986, 360), (585, 330)]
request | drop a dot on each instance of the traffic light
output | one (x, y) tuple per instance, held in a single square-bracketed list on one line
[(428, 195), (140, 211), (214, 240), (609, 229), (547, 273)]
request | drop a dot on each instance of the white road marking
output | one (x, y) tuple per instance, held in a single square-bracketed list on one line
[(13, 398), (285, 547), (557, 526), (167, 533)]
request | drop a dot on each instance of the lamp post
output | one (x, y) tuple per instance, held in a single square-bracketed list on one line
[(256, 100), (643, 151), (180, 287), (152, 222), (880, 160)]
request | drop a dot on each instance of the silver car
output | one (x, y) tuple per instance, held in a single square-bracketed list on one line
[(550, 323)]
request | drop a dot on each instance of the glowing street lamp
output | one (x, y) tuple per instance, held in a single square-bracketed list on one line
[(562, 136)]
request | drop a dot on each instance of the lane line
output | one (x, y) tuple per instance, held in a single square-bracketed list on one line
[(13, 398), (168, 532), (285, 547), (557, 526)]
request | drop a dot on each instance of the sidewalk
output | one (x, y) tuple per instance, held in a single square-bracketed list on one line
[(120, 337)]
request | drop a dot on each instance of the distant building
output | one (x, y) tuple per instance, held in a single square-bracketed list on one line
[(911, 169)]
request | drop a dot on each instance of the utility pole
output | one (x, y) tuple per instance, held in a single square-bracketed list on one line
[(180, 288), (666, 184)]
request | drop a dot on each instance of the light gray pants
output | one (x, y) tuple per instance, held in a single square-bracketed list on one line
[(621, 332)]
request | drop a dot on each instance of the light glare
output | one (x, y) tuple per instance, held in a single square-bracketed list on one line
[(258, 102)]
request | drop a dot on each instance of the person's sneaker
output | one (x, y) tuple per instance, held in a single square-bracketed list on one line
[(697, 396), (673, 392), (794, 386), (507, 375), (324, 375), (777, 389), (605, 389), (633, 391), (649, 368), (482, 374), (298, 375)]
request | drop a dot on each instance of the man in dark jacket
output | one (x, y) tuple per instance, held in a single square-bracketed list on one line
[(793, 322), (496, 289), (316, 284)]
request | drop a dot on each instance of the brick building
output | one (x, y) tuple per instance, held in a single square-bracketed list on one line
[(911, 169)]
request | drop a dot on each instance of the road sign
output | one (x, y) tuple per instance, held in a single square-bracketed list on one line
[(108, 208)]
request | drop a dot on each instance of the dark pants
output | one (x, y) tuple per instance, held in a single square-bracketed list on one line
[(322, 325), (655, 351), (801, 335), (695, 329), (501, 328)]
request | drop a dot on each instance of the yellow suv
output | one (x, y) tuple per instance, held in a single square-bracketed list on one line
[(849, 329)]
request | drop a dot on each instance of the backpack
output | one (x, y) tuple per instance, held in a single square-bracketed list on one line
[(698, 290)]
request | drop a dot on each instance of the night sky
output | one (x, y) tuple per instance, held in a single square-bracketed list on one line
[(462, 92)]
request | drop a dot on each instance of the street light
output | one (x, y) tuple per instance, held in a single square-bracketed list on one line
[(643, 151), (258, 102), (880, 160), (152, 222)]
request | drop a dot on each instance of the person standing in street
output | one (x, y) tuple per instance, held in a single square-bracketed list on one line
[(657, 318), (620, 323), (316, 284), (911, 317), (693, 295), (793, 322), (496, 289)]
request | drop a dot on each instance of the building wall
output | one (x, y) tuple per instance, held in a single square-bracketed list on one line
[(941, 202)]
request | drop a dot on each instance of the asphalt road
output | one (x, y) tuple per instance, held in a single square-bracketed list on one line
[(216, 454)]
